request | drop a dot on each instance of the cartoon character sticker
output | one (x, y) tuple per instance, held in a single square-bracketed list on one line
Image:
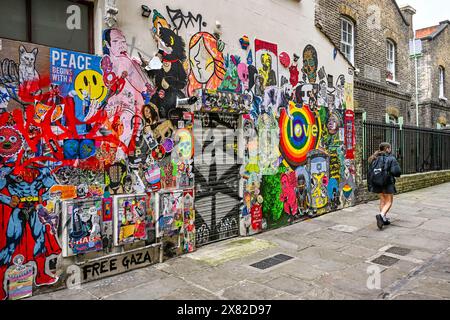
[(11, 142)]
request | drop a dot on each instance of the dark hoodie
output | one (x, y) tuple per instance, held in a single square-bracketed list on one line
[(392, 164)]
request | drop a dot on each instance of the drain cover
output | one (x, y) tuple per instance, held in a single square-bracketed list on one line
[(272, 261), (385, 260), (398, 250)]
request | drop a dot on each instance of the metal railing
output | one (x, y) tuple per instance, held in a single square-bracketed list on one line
[(416, 149)]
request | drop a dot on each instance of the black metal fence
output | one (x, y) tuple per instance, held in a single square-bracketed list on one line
[(417, 149)]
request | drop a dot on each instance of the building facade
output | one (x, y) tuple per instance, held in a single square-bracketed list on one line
[(374, 35), (433, 67), (135, 132)]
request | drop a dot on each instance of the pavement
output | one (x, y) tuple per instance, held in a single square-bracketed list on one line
[(340, 255)]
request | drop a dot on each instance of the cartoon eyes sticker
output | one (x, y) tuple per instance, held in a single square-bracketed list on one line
[(11, 139)]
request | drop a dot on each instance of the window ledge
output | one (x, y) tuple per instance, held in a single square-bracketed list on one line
[(393, 82), (443, 98)]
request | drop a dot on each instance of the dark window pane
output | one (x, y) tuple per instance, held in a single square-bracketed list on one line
[(51, 24), (13, 21)]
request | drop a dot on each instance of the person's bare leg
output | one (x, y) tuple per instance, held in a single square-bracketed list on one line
[(389, 200), (382, 201)]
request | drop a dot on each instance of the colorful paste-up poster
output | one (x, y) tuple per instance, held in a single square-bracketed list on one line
[(152, 176), (348, 96), (24, 73), (286, 62), (20, 279), (151, 218), (189, 221), (169, 173), (350, 137), (266, 62), (131, 218), (83, 232), (170, 219), (107, 209), (78, 75)]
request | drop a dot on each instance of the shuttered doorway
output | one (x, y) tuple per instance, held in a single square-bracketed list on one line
[(216, 177)]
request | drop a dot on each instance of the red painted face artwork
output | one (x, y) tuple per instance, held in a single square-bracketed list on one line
[(11, 142)]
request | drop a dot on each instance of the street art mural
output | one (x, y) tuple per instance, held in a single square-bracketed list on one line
[(83, 232), (311, 170), (206, 63), (97, 153), (266, 61), (76, 129), (176, 221), (133, 218)]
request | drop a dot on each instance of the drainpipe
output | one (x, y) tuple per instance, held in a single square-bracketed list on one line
[(417, 80)]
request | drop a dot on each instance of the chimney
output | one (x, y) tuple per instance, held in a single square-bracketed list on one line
[(408, 13)]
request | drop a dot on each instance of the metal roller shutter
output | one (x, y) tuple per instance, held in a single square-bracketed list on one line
[(216, 183)]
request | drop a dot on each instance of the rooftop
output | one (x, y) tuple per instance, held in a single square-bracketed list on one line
[(433, 31)]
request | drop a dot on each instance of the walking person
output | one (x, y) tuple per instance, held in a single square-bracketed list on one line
[(383, 168)]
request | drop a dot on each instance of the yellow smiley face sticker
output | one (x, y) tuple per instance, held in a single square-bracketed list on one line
[(89, 83)]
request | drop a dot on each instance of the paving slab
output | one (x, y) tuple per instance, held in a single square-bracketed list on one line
[(437, 225), (210, 280), (189, 293), (290, 285), (414, 296), (250, 290), (358, 251), (151, 290), (428, 285)]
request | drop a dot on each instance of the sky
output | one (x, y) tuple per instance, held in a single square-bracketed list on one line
[(429, 12)]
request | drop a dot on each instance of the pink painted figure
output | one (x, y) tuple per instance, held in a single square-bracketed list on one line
[(288, 184), (285, 60), (242, 70), (124, 75)]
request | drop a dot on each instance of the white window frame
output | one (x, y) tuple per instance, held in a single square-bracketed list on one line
[(391, 61), (442, 83), (348, 45)]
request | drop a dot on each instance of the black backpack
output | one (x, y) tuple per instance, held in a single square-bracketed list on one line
[(378, 175)]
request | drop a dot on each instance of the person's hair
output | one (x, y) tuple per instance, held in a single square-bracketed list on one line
[(153, 113), (381, 150), (107, 39), (384, 146)]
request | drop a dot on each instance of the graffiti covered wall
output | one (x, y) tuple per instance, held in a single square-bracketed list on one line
[(97, 152), (84, 151), (296, 101)]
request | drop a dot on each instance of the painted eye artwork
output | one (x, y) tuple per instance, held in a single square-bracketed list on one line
[(11, 142)]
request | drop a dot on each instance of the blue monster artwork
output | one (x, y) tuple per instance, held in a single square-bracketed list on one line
[(21, 193)]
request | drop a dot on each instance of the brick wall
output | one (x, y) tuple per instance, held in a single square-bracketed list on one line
[(375, 22), (435, 53), (406, 183)]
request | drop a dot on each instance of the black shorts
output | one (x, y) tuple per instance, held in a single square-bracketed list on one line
[(389, 189)]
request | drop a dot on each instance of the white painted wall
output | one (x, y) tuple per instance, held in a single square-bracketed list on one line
[(288, 23)]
